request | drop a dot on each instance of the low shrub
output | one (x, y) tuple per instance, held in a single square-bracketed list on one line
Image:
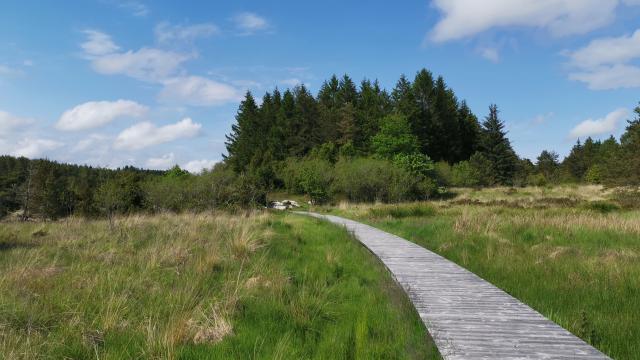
[(602, 206), (628, 198)]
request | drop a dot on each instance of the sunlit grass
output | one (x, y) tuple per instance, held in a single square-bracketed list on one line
[(253, 285), (575, 262)]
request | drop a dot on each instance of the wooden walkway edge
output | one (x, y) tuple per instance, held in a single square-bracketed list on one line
[(468, 317)]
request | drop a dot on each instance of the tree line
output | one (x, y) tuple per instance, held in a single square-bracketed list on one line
[(357, 142)]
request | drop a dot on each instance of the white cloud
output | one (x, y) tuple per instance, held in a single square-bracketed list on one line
[(609, 77), (541, 118), (490, 54), (166, 33), (197, 166), (248, 22), (32, 148), (465, 18), (6, 70), (94, 114), (163, 162), (606, 63), (198, 91), (605, 125), (95, 143), (135, 7), (147, 64), (292, 82), (146, 134), (9, 122), (98, 43)]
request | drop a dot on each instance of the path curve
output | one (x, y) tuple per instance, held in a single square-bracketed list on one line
[(468, 317)]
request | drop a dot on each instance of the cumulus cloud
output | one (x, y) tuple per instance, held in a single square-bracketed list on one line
[(606, 63), (146, 134), (465, 18), (249, 23), (197, 166), (161, 163), (147, 64), (94, 114), (9, 122), (601, 126), (198, 91), (32, 148), (166, 33)]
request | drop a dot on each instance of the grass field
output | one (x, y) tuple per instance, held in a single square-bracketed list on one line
[(571, 253), (252, 286)]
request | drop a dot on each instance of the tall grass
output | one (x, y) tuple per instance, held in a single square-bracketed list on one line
[(577, 264), (253, 285)]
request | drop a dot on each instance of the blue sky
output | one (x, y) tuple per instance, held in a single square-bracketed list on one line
[(152, 84)]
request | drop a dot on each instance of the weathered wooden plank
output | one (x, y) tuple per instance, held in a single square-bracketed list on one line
[(468, 317)]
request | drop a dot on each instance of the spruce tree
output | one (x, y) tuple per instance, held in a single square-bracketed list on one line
[(423, 90), (244, 135), (497, 149)]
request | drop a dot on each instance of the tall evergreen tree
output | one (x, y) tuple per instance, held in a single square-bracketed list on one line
[(469, 135), (423, 90), (244, 136), (495, 146)]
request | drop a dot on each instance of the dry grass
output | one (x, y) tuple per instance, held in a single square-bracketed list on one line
[(129, 278)]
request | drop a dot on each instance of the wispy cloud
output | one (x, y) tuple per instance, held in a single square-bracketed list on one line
[(248, 23), (135, 8), (166, 32), (490, 53), (466, 18)]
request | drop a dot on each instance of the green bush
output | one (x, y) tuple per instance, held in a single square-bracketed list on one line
[(395, 137), (309, 176), (368, 180), (602, 206)]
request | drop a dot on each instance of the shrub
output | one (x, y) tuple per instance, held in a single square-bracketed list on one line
[(443, 173), (602, 206), (594, 175), (368, 180), (628, 198), (309, 176), (395, 137), (464, 175)]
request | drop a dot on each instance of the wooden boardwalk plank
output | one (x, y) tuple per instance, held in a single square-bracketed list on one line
[(468, 317)]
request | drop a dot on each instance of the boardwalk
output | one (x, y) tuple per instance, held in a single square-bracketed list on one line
[(467, 317)]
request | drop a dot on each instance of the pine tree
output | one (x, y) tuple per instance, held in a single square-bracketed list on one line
[(404, 103), (469, 136), (497, 148), (423, 90), (244, 135)]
